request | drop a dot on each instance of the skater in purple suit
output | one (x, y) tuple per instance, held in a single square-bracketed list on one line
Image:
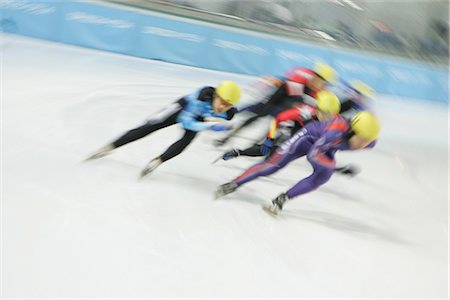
[(319, 141)]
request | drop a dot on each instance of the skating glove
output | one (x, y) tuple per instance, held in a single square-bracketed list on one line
[(348, 170), (221, 127), (266, 147)]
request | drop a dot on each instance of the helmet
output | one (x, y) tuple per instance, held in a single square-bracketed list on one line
[(229, 91), (362, 88), (326, 72), (366, 125), (328, 102)]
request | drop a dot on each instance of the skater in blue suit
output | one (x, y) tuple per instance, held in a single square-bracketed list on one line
[(196, 112)]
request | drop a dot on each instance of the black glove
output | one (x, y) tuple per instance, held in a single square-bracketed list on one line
[(348, 170)]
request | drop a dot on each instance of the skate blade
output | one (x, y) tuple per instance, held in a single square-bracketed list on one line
[(269, 211), (96, 156), (87, 159), (92, 157), (144, 173), (218, 195), (216, 160)]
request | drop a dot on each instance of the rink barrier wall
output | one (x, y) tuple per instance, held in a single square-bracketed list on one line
[(183, 41)]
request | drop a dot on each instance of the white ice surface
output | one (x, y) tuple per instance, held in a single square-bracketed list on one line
[(72, 229)]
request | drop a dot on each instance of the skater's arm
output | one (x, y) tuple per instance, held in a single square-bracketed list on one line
[(230, 113), (300, 115), (194, 113), (332, 138), (287, 115), (352, 103), (191, 115), (189, 122)]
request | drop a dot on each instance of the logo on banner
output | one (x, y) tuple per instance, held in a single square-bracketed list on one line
[(359, 68), (83, 17), (173, 34), (296, 56), (409, 77), (240, 47)]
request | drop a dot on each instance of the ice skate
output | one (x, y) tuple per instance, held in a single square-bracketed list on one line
[(221, 142), (151, 166), (102, 152), (233, 153), (277, 205), (228, 155), (226, 189)]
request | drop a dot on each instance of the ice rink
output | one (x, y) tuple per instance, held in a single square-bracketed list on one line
[(93, 230)]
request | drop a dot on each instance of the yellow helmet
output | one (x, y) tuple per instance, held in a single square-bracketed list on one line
[(229, 91), (326, 72), (366, 125), (362, 88), (328, 102)]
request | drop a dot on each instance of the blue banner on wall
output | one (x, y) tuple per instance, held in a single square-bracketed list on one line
[(172, 41), (98, 27), (238, 52), (200, 44), (31, 18)]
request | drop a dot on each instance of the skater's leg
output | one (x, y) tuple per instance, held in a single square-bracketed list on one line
[(265, 168), (174, 150), (252, 151), (178, 147), (272, 164), (254, 108), (164, 118), (236, 130), (261, 110), (319, 177)]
